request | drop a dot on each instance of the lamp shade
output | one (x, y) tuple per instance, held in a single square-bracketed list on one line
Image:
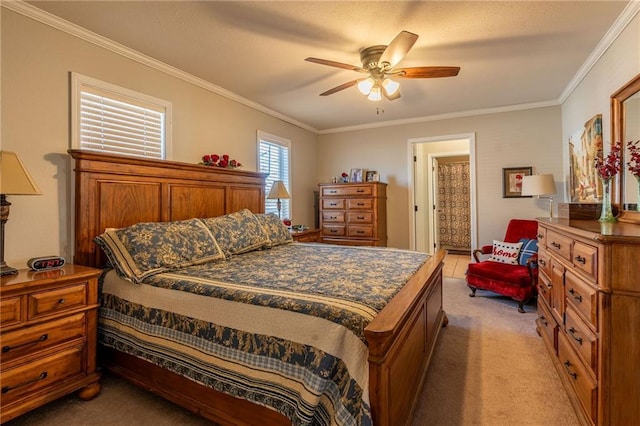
[(538, 185), (16, 180), (278, 190)]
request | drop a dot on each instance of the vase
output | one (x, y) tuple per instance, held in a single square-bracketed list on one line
[(638, 189), (607, 213)]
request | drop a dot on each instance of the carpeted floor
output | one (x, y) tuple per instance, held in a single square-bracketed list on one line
[(489, 368)]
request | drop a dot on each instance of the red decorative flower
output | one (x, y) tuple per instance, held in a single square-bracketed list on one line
[(609, 166), (224, 161), (634, 159), (344, 174)]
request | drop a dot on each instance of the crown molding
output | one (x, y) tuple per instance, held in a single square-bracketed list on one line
[(58, 23)]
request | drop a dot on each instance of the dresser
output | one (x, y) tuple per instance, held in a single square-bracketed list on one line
[(589, 315), (354, 213), (48, 334)]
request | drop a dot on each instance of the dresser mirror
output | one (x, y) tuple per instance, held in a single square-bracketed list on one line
[(625, 126)]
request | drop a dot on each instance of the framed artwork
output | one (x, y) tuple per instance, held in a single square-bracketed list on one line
[(355, 175), (512, 181), (371, 175), (585, 145)]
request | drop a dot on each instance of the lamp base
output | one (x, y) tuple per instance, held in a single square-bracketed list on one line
[(7, 270)]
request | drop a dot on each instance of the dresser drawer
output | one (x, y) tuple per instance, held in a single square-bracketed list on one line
[(585, 257), (333, 203), (347, 190), (334, 230), (547, 327), (544, 289), (584, 341), (59, 300), (360, 204), (583, 384), (582, 297), (542, 236), (544, 261), (360, 217), (332, 216), (29, 340), (28, 378), (360, 231), (10, 312), (559, 244)]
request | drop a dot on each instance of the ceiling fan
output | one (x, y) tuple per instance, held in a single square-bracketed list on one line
[(378, 62)]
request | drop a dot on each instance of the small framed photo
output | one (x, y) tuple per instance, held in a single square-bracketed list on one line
[(355, 175), (370, 175), (512, 181)]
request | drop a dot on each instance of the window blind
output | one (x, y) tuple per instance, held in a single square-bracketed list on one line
[(274, 160)]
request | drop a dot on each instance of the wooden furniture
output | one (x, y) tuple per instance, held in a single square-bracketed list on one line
[(589, 314), (354, 213), (48, 332), (115, 191), (307, 236)]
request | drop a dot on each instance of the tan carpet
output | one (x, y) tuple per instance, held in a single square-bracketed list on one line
[(489, 368)]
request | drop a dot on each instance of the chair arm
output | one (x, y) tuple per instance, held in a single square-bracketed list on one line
[(483, 250), (530, 262)]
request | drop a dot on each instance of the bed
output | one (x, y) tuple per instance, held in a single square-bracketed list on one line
[(398, 336)]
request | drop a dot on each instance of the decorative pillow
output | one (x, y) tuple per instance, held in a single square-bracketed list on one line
[(505, 252), (275, 229), (144, 249), (529, 248), (237, 232)]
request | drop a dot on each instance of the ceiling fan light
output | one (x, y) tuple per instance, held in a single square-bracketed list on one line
[(390, 86), (375, 94), (364, 86)]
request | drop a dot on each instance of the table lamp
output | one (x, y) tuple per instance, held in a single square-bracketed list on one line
[(541, 186), (278, 191), (16, 180)]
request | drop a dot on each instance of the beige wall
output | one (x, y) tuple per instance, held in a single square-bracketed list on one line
[(36, 61)]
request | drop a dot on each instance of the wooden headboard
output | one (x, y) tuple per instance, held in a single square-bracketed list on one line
[(112, 191)]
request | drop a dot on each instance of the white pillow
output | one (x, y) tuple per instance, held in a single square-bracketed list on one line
[(507, 253)]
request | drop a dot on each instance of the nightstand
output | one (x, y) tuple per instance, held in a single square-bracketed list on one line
[(48, 328), (308, 236)]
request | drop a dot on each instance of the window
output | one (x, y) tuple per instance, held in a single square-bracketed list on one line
[(273, 158), (115, 120)]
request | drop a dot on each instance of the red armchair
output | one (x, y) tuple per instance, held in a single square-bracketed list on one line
[(516, 281)]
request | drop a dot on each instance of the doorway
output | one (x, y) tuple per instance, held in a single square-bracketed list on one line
[(429, 228)]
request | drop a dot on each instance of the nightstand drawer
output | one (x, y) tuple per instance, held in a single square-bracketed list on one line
[(28, 378), (10, 311), (29, 340), (360, 217), (331, 216), (360, 204), (333, 203), (59, 300)]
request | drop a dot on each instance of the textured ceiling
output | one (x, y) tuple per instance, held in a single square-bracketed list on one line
[(510, 53)]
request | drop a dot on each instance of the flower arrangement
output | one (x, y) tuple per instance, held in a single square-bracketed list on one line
[(634, 159), (609, 166), (215, 160), (345, 177)]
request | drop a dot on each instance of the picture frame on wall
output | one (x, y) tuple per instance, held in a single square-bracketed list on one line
[(512, 181), (370, 175), (355, 175)]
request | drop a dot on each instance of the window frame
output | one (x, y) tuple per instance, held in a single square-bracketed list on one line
[(80, 82), (286, 144)]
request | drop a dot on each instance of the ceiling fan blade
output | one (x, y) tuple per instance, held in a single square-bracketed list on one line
[(396, 95), (335, 64), (425, 72), (339, 88), (398, 47)]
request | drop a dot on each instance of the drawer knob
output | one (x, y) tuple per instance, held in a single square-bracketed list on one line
[(567, 366), (42, 376), (575, 295), (62, 301), (8, 348), (572, 332), (556, 245), (581, 259)]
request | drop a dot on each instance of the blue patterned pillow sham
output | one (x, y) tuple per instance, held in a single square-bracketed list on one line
[(144, 249), (237, 233), (275, 229), (529, 248)]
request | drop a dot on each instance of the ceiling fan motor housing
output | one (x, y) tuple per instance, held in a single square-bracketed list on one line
[(371, 56)]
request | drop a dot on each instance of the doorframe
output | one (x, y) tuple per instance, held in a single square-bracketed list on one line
[(411, 143)]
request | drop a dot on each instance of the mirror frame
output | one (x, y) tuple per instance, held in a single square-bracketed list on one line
[(617, 134)]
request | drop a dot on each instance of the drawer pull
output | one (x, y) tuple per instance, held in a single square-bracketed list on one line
[(556, 245), (360, 217), (359, 232), (361, 204), (333, 217), (62, 301), (333, 191), (543, 320), (333, 230), (572, 332), (542, 262), (359, 190), (333, 204), (8, 348), (540, 236), (575, 295), (581, 259), (42, 376), (567, 366)]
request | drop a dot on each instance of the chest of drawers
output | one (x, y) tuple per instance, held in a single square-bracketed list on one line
[(48, 333), (354, 213), (589, 315)]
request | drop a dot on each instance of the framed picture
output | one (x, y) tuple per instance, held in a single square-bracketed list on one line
[(370, 175), (512, 181), (355, 175)]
